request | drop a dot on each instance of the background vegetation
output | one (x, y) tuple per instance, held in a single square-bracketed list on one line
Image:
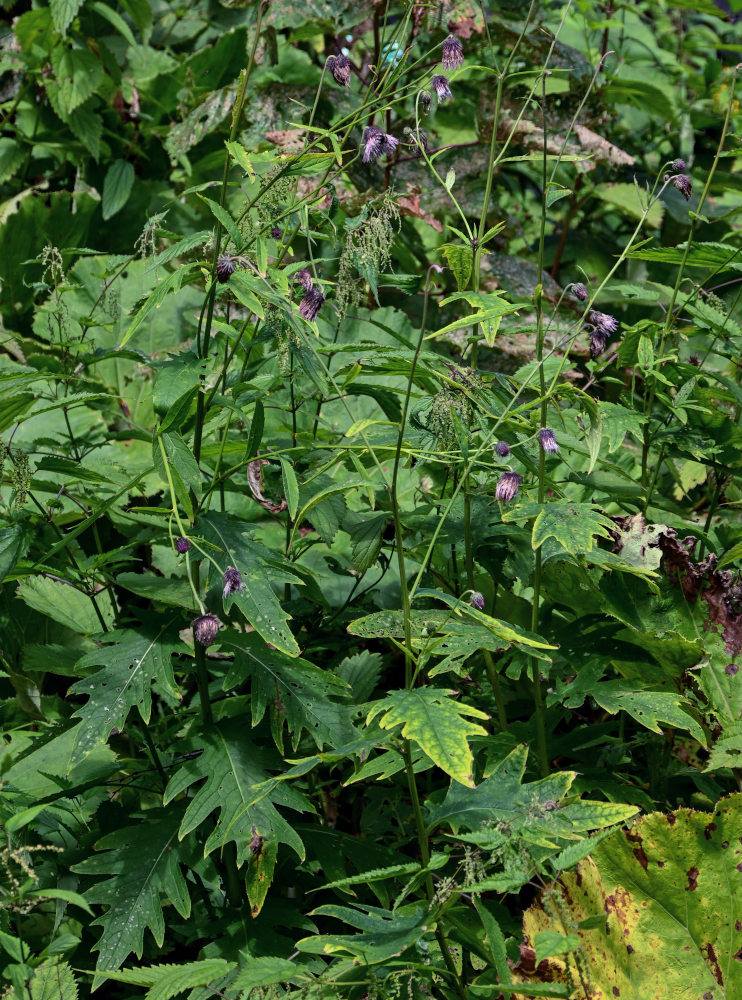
[(370, 396)]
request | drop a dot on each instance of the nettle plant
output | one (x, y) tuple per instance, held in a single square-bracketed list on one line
[(285, 606)]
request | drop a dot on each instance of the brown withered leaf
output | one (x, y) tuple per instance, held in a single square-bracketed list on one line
[(255, 482), (409, 204)]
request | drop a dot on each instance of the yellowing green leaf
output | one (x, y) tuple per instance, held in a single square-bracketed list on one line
[(436, 723)]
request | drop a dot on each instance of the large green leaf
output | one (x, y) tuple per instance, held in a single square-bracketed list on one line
[(52, 981), (133, 661), (259, 568), (574, 525), (166, 981), (535, 812), (383, 936), (117, 187), (299, 694), (669, 898), (437, 723), (231, 765), (143, 862), (65, 604)]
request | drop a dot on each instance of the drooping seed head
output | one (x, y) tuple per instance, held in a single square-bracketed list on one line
[(476, 600), (182, 545), (598, 341), (580, 292), (507, 487), (683, 184), (205, 629), (502, 448), (311, 304), (442, 87), (339, 66), (453, 53), (225, 267), (304, 278), (232, 581), (547, 441)]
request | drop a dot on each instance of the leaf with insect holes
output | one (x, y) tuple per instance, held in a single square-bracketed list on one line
[(143, 864), (131, 661), (229, 765), (437, 723)]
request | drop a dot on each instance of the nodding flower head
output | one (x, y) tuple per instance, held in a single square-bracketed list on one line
[(453, 53), (683, 184), (417, 138), (502, 448), (205, 629), (606, 325), (442, 87), (311, 304), (339, 66), (547, 441), (376, 142), (225, 267), (507, 487), (425, 101), (677, 165), (580, 292), (182, 545), (277, 233), (304, 278), (476, 600), (232, 581)]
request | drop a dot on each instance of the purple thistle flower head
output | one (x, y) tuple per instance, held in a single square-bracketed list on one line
[(502, 448), (182, 545), (683, 184), (442, 87), (232, 581), (304, 278), (476, 600), (677, 165), (311, 304), (205, 629), (225, 267), (604, 323), (453, 53), (580, 292), (507, 487), (339, 66), (547, 441), (277, 233), (417, 138), (373, 143)]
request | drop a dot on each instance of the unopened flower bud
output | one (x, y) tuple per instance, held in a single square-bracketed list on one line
[(453, 53), (502, 448), (205, 629), (304, 278), (277, 233), (580, 292), (425, 100), (182, 545), (476, 600), (507, 486), (547, 441), (677, 165)]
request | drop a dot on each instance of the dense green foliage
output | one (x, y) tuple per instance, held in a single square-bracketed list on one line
[(370, 401)]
